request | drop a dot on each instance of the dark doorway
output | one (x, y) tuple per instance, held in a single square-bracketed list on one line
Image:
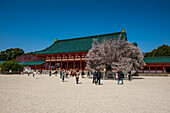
[(64, 65), (52, 65), (58, 65), (83, 65), (167, 69), (77, 65), (70, 65)]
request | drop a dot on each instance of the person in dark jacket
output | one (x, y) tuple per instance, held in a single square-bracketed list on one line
[(60, 73), (72, 73), (82, 74), (94, 76), (129, 75), (40, 71), (50, 73), (63, 75), (120, 75), (99, 75), (88, 74), (77, 76)]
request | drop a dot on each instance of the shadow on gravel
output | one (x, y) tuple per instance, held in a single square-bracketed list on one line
[(138, 78), (80, 83), (100, 84), (121, 84)]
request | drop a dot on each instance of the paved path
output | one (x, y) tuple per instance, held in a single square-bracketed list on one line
[(24, 94)]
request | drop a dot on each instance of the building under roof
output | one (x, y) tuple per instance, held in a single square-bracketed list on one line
[(156, 65), (71, 53)]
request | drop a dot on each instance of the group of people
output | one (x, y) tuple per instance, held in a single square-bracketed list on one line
[(120, 76), (66, 73), (97, 76)]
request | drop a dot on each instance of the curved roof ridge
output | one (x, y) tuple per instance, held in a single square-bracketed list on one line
[(90, 36), (76, 44)]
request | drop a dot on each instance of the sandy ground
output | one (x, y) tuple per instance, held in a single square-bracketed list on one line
[(24, 94)]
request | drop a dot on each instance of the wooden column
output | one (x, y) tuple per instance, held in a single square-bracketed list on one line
[(45, 62), (50, 63), (67, 63), (61, 63), (71, 65), (78, 65), (56, 62), (163, 67), (149, 69), (156, 69), (74, 63), (80, 62), (84, 65)]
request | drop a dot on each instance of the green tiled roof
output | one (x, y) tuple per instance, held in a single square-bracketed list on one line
[(157, 59), (33, 63), (83, 44), (1, 62)]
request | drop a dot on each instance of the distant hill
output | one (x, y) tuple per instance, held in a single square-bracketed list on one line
[(163, 50)]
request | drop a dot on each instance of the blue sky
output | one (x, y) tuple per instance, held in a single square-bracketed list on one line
[(34, 24)]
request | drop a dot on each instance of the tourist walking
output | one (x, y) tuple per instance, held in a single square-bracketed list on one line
[(88, 74), (74, 73), (50, 73), (60, 74), (35, 74), (40, 71), (69, 73), (94, 76), (99, 75), (129, 75), (120, 75), (77, 76), (63, 75), (82, 74), (56, 73), (116, 76), (66, 73)]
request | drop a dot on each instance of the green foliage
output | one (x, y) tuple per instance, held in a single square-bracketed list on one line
[(2, 55), (17, 52), (11, 65), (11, 54), (28, 54), (163, 50), (135, 44)]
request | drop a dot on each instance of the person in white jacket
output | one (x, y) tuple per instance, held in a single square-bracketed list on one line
[(35, 74)]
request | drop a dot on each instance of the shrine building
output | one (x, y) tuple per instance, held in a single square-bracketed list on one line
[(70, 53)]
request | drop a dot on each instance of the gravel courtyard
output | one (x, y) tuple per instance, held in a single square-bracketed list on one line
[(24, 94)]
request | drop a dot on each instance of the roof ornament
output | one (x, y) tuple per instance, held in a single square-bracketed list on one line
[(123, 31), (55, 39)]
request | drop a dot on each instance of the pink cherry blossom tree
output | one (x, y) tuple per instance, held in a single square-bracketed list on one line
[(28, 58), (114, 54)]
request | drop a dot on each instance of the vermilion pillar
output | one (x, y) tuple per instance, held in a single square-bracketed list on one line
[(74, 63), (67, 63), (80, 63)]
